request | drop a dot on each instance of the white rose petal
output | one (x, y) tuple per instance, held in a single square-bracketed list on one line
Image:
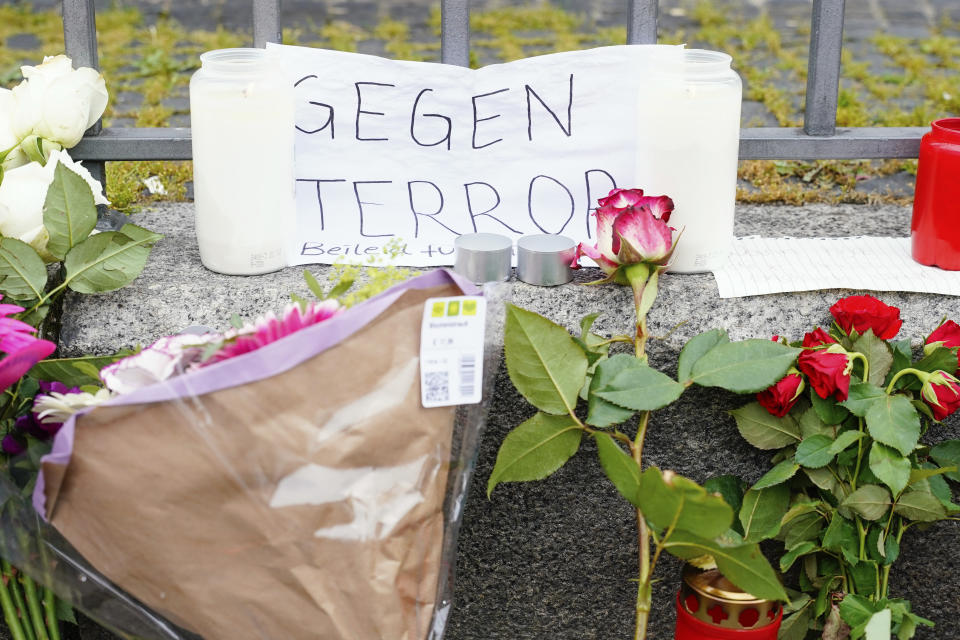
[(22, 194), (57, 102), (75, 165)]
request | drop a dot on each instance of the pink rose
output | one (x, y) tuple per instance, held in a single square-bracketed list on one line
[(631, 228)]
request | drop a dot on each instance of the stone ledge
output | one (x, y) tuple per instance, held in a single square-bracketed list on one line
[(555, 559)]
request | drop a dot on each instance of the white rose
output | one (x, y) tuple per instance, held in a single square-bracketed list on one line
[(57, 102), (8, 139), (23, 192)]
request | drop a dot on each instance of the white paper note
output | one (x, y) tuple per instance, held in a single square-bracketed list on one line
[(418, 153), (773, 265)]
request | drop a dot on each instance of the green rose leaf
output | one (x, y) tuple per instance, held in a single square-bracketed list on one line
[(841, 536), (109, 260), (22, 272), (920, 506), (765, 431), (601, 413), (940, 359), (795, 626), (731, 489), (803, 528), (762, 512), (857, 610), (811, 424), (696, 348), (779, 474), (619, 467), (844, 440), (641, 389), (878, 354), (743, 565), (870, 501), (744, 367), (69, 213), (545, 364), (828, 409), (947, 454), (586, 323), (890, 467), (535, 449), (666, 498), (861, 397), (814, 452), (893, 421), (802, 549)]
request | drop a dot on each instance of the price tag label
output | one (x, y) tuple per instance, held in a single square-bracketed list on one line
[(451, 351)]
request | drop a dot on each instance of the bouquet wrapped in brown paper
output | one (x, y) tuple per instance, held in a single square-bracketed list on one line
[(297, 491)]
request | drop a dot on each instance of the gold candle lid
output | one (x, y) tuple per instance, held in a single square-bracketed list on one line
[(710, 597)]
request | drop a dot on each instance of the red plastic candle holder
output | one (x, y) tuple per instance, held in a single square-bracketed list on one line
[(710, 607), (935, 230)]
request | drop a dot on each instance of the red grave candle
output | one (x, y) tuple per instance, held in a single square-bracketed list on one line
[(710, 607), (935, 229)]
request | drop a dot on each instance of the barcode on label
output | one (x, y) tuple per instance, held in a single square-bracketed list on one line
[(438, 386), (468, 374)]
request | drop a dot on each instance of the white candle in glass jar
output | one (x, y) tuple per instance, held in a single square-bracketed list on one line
[(242, 117), (689, 130)]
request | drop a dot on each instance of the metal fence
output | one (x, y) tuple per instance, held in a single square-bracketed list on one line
[(819, 137)]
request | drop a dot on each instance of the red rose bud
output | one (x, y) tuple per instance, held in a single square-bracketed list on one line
[(860, 313), (817, 337), (779, 398), (942, 392), (946, 335), (828, 370)]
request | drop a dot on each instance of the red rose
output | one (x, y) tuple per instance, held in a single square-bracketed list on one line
[(948, 333), (942, 393), (779, 398), (827, 369), (860, 313)]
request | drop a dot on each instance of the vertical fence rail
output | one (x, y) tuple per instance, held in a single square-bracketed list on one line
[(642, 21), (266, 22), (455, 32), (823, 72), (80, 42)]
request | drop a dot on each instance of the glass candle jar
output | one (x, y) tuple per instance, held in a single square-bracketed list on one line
[(242, 116), (935, 229), (689, 128)]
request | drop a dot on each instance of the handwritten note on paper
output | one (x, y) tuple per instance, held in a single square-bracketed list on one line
[(773, 265), (419, 153)]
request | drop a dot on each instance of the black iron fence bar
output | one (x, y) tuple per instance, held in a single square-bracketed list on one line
[(823, 75), (80, 42), (266, 22), (642, 21), (455, 32), (755, 144)]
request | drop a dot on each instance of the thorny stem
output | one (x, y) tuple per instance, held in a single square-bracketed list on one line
[(886, 568), (644, 592), (50, 613), (18, 598), (856, 470)]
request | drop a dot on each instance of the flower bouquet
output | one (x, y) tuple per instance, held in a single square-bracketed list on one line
[(852, 429), (278, 480)]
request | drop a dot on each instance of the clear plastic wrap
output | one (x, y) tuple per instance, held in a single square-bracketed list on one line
[(296, 491)]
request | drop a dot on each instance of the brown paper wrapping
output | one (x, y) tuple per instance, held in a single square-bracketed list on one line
[(172, 501)]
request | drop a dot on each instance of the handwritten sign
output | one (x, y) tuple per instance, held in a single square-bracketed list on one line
[(418, 153)]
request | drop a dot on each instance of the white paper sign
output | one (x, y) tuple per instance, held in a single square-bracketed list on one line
[(419, 153), (758, 266)]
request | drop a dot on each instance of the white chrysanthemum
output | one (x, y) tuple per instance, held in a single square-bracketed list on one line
[(57, 407)]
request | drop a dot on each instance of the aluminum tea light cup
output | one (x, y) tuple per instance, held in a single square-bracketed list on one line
[(544, 259)]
